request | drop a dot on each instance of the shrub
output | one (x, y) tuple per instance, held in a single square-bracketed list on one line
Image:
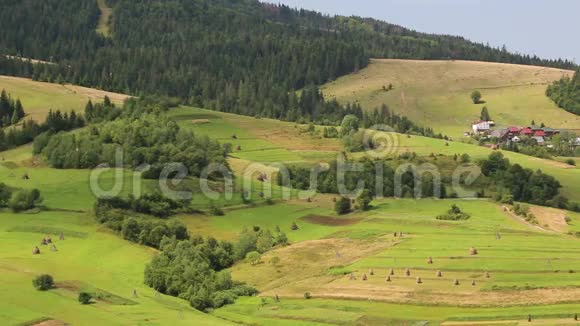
[(85, 298), (454, 214), (43, 282), (571, 161), (307, 295), (216, 211), (254, 257), (342, 206), (24, 199)]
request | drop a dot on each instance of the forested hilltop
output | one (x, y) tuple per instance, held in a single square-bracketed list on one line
[(239, 56)]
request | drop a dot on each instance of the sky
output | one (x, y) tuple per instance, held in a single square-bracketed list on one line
[(547, 28)]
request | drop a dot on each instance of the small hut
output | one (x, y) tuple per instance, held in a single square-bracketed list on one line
[(36, 251)]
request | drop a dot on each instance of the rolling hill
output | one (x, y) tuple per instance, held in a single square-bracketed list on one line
[(40, 97), (437, 93)]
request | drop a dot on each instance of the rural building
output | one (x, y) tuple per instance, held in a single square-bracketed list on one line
[(499, 133), (527, 132), (516, 139), (481, 127), (512, 131), (539, 133), (540, 140)]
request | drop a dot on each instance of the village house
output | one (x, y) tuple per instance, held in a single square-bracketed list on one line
[(481, 127), (500, 134), (540, 140)]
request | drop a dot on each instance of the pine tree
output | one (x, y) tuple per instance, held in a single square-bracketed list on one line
[(485, 114)]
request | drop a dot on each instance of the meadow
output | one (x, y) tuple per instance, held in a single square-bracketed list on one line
[(39, 97), (437, 93), (532, 270)]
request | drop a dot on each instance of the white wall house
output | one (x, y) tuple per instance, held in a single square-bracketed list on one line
[(481, 126)]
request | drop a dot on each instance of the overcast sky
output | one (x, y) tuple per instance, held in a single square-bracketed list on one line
[(548, 28)]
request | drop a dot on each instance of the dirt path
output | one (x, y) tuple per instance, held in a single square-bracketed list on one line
[(519, 219)]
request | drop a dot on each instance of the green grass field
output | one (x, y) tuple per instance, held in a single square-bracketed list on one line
[(526, 267), (88, 259), (40, 97), (437, 93), (532, 271)]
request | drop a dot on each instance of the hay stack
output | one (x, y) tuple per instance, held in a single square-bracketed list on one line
[(36, 251), (371, 272), (294, 226), (439, 274), (473, 251), (419, 280), (473, 283), (48, 239), (61, 237), (392, 272), (430, 260), (388, 279), (487, 275), (53, 248), (352, 277), (365, 277), (456, 282), (43, 242), (408, 272)]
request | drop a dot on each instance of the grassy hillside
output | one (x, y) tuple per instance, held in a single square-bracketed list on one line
[(524, 269), (437, 93), (40, 97), (88, 259), (532, 268)]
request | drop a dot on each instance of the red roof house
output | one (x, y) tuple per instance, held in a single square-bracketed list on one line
[(514, 130), (540, 133), (527, 132)]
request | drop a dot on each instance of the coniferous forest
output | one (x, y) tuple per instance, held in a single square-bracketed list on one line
[(566, 93), (241, 56)]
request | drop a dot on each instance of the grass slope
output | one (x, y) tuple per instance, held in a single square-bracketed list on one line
[(88, 259), (437, 93), (527, 267), (40, 97)]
